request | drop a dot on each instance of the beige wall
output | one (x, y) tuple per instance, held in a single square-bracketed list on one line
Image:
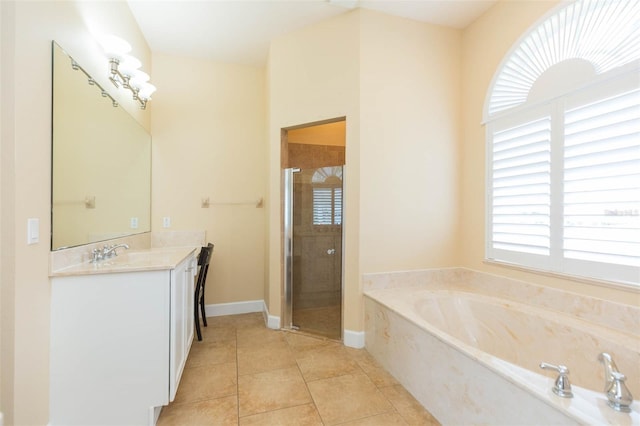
[(208, 142), (410, 108), (485, 43), (397, 83), (328, 88), (29, 27)]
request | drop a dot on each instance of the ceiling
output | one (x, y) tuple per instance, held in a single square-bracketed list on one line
[(239, 31)]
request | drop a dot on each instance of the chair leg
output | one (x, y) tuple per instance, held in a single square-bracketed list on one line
[(195, 314), (204, 315)]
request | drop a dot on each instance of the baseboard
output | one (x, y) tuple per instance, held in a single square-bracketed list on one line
[(234, 308), (272, 321), (354, 339)]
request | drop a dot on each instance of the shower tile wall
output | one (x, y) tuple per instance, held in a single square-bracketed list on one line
[(307, 156)]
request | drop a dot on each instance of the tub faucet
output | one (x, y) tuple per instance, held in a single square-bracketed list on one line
[(618, 395)]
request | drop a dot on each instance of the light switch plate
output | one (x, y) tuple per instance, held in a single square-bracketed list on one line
[(33, 230)]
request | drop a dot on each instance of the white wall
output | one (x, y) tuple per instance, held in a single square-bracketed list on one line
[(27, 31), (208, 142)]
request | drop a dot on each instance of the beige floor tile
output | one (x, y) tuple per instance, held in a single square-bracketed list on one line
[(211, 353), (302, 415), (220, 411), (210, 381), (386, 419), (271, 356), (257, 337), (349, 397), (325, 362), (255, 319), (408, 407), (215, 334), (272, 390), (378, 375)]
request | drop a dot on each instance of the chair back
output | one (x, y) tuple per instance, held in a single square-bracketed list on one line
[(205, 255)]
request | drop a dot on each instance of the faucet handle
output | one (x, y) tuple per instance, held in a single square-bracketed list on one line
[(618, 395), (96, 255), (562, 386)]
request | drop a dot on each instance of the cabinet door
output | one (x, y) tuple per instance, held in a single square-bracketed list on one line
[(178, 326), (190, 301)]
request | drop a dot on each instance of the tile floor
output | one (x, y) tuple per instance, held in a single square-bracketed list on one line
[(245, 374)]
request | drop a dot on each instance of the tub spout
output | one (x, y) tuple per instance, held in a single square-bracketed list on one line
[(609, 367), (618, 395)]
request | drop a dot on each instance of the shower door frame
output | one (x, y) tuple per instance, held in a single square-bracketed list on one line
[(287, 210)]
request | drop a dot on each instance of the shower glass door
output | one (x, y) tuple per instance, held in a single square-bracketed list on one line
[(315, 242)]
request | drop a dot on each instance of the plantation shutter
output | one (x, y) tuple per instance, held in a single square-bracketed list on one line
[(521, 180), (322, 206), (327, 206), (602, 181), (337, 206)]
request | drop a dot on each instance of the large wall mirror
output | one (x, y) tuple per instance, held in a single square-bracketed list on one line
[(101, 165)]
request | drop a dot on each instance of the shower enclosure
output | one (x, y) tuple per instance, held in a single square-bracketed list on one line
[(313, 250)]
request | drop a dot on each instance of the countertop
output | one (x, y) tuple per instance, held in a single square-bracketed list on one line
[(130, 261)]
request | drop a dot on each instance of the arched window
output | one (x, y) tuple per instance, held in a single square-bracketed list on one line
[(563, 145)]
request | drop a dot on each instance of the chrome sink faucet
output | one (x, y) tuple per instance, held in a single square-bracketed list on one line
[(618, 395), (106, 252), (110, 251)]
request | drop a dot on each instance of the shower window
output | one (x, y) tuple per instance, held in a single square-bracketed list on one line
[(327, 206), (327, 196)]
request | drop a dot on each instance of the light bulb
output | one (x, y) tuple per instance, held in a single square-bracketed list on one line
[(138, 78), (129, 65), (146, 90), (114, 47)]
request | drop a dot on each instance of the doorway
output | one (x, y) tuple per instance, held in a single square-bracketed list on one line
[(313, 201)]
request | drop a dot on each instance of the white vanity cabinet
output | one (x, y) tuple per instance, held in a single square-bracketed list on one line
[(120, 336), (182, 301)]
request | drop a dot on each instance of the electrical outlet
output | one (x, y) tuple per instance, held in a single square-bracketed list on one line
[(134, 223), (166, 222)]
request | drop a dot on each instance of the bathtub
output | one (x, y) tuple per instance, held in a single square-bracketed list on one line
[(468, 346)]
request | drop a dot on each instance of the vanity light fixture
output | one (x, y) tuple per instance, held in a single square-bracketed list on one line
[(92, 82), (124, 69)]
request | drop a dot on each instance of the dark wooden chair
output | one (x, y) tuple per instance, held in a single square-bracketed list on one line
[(203, 262)]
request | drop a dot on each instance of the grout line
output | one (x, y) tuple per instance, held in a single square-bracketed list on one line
[(237, 378)]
